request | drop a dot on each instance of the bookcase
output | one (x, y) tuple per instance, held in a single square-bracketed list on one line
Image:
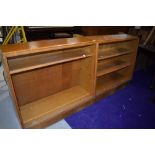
[(48, 81), (115, 64), (51, 79)]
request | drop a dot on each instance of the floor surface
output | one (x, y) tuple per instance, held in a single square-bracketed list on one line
[(129, 108)]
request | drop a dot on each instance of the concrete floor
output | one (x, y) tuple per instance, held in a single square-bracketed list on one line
[(8, 117)]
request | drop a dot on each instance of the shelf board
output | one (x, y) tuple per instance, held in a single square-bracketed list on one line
[(109, 82), (113, 53), (22, 64), (111, 67), (46, 108)]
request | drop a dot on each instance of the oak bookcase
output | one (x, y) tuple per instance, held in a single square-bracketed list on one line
[(51, 79), (115, 62)]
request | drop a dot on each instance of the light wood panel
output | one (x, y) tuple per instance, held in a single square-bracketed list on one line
[(33, 85), (71, 74)]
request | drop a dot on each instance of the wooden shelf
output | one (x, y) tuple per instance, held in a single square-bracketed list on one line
[(113, 53), (109, 82), (22, 64), (33, 113), (111, 67)]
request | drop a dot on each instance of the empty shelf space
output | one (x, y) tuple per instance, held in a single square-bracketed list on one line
[(109, 82), (46, 108), (21, 64), (113, 53), (111, 67)]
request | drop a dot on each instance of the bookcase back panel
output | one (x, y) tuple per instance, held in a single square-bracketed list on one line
[(86, 76), (35, 84)]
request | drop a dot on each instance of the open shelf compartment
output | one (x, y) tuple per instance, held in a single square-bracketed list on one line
[(114, 50), (34, 113), (44, 92), (112, 80), (113, 64), (29, 62), (113, 53)]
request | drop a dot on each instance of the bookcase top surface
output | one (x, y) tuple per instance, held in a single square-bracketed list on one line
[(44, 45), (112, 38), (56, 44)]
